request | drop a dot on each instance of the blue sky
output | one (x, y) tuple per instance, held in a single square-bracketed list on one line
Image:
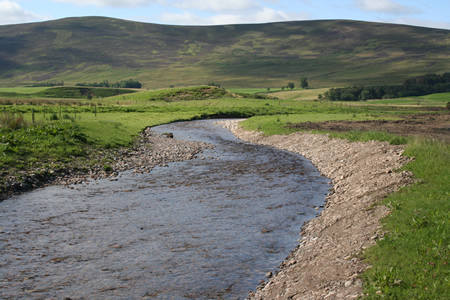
[(431, 13)]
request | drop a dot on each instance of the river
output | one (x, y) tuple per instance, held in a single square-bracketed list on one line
[(207, 228)]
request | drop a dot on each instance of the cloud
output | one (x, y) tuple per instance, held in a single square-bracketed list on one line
[(111, 3), (217, 5), (418, 22), (263, 15), (386, 6), (12, 13)]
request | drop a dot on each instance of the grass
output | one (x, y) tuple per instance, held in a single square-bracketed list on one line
[(440, 99), (238, 56), (301, 94), (410, 262), (275, 124), (254, 90), (62, 92), (22, 90), (23, 144)]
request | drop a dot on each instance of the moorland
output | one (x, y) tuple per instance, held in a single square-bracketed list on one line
[(64, 128), (330, 53)]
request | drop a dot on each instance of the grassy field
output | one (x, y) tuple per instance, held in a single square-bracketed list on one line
[(411, 262), (22, 90), (440, 99)]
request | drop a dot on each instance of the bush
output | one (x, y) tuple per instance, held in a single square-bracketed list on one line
[(54, 117), (9, 121)]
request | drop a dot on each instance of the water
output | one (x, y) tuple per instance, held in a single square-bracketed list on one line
[(209, 228)]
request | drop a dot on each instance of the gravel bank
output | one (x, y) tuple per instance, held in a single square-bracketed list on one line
[(149, 150), (325, 265)]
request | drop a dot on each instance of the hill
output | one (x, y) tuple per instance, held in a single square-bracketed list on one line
[(329, 53)]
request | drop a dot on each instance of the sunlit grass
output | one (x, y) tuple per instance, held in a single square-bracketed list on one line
[(301, 94), (23, 90), (276, 124), (439, 99), (412, 260)]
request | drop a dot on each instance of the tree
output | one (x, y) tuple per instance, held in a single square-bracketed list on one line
[(304, 82), (291, 85)]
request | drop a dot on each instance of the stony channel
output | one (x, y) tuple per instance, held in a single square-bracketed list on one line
[(207, 228)]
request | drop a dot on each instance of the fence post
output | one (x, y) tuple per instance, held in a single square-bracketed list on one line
[(32, 114)]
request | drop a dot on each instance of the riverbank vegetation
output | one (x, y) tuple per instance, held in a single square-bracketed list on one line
[(411, 260)]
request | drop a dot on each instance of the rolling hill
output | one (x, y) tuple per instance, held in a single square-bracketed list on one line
[(329, 53)]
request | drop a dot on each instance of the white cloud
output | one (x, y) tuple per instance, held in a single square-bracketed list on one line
[(264, 15), (386, 6), (112, 3), (12, 13), (418, 22), (217, 5)]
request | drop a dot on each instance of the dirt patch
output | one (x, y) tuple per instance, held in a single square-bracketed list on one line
[(326, 264), (429, 125)]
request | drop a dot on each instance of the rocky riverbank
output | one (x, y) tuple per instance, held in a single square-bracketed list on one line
[(326, 264), (149, 150)]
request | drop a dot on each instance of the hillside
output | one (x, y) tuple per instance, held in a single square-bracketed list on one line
[(329, 53)]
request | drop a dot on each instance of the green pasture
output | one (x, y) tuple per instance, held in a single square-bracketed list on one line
[(300, 94), (411, 262), (440, 99), (254, 90), (276, 124), (22, 90)]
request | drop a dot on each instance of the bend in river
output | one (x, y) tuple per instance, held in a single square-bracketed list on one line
[(207, 228)]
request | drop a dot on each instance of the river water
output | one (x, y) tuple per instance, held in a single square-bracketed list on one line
[(208, 228)]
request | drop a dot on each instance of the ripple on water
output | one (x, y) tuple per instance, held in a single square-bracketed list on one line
[(205, 228)]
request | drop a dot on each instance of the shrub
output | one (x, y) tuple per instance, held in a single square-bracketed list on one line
[(9, 121)]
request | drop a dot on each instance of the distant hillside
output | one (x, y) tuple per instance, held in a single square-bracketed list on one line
[(329, 53)]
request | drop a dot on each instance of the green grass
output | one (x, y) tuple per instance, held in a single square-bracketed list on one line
[(255, 90), (23, 145), (300, 94), (411, 262), (62, 92), (270, 125), (22, 90), (440, 99)]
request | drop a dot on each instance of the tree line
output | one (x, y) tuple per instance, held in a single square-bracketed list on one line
[(416, 86), (130, 83)]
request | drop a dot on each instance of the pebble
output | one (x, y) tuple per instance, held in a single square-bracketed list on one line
[(164, 149)]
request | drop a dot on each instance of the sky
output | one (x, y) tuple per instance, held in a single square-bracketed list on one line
[(431, 13)]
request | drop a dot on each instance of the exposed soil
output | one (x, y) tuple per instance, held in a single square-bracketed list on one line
[(327, 264), (430, 125)]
